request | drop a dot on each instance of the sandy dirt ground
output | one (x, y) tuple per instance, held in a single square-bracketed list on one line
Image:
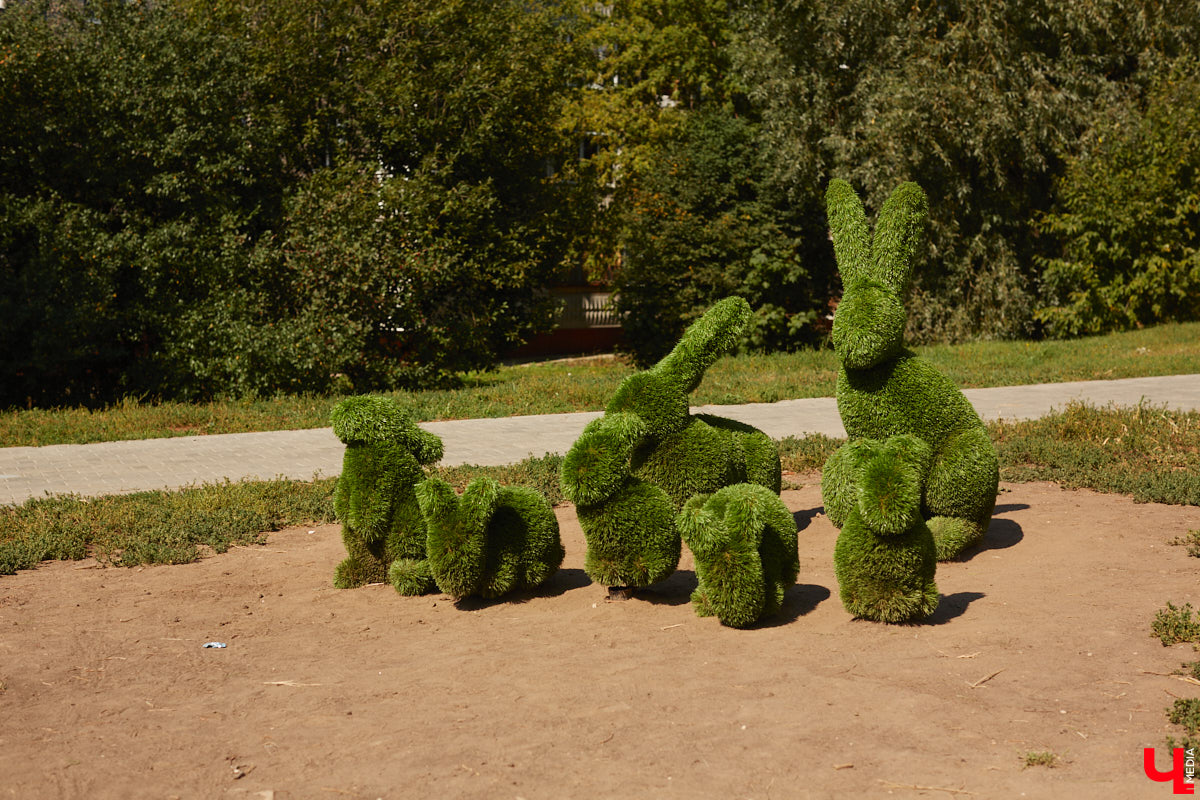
[(1041, 643)]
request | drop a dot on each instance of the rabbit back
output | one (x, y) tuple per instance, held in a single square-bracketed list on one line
[(905, 395)]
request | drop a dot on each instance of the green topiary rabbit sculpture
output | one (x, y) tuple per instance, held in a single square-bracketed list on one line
[(884, 389), (375, 499), (490, 541), (631, 470), (885, 557), (744, 541)]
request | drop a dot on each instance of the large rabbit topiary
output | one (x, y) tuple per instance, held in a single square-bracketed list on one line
[(491, 540), (885, 559), (883, 389), (374, 498), (744, 541), (631, 470)]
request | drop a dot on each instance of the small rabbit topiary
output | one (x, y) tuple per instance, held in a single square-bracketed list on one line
[(884, 389), (631, 470), (491, 540), (885, 559), (374, 497), (744, 541)]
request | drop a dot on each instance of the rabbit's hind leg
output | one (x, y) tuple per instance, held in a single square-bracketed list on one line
[(363, 563), (961, 491), (954, 535), (411, 576)]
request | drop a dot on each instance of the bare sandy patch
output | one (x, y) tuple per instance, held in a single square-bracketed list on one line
[(1041, 643)]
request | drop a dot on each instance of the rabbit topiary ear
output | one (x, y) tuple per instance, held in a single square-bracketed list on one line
[(705, 340), (911, 449), (849, 230), (478, 504), (436, 499), (897, 232), (597, 465)]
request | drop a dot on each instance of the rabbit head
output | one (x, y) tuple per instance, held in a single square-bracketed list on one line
[(648, 405), (374, 419), (868, 326), (659, 396)]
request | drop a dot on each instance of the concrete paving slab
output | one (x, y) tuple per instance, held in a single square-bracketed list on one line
[(122, 467)]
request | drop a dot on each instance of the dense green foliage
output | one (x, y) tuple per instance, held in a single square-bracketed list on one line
[(981, 101), (702, 224), (1130, 224), (744, 541), (884, 390), (375, 499), (885, 558), (632, 469), (491, 540), (243, 198)]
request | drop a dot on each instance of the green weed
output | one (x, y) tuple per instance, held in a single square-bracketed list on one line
[(536, 473), (1187, 743), (1150, 453), (1173, 625), (1041, 758), (174, 527), (1191, 540), (808, 453), (162, 527), (1186, 712)]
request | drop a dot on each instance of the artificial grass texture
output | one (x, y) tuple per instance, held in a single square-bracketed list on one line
[(884, 389), (631, 470), (375, 499), (491, 540), (587, 384), (743, 539), (885, 558)]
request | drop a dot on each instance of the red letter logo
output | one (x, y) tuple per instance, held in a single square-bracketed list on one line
[(1180, 776)]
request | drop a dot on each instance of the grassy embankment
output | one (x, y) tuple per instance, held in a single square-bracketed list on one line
[(586, 385)]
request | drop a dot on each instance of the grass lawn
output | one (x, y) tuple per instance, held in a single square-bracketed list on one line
[(585, 385)]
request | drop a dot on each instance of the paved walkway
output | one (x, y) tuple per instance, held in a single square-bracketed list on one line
[(119, 467)]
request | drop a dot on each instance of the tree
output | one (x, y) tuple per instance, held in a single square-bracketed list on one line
[(1129, 219), (979, 102), (125, 174), (702, 225), (247, 199)]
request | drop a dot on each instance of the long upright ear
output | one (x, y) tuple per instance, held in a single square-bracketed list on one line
[(705, 340), (478, 505), (897, 231), (437, 501), (849, 229)]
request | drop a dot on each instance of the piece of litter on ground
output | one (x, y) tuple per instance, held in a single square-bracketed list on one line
[(312, 531), (288, 683), (215, 644)]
